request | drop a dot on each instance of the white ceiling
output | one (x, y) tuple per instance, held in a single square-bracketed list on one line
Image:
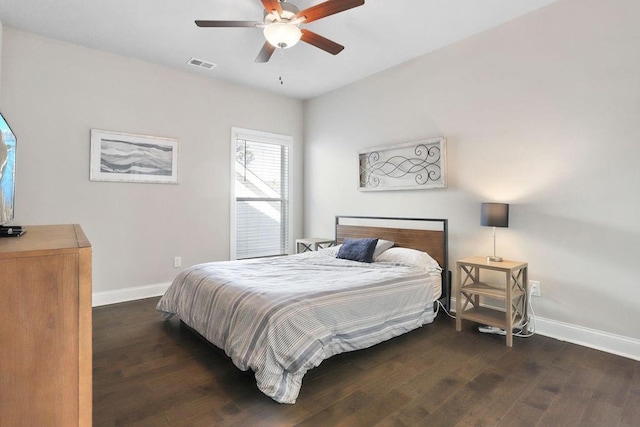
[(376, 36)]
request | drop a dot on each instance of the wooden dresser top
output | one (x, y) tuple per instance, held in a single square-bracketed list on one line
[(39, 238)]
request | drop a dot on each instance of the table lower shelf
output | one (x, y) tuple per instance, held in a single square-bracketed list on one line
[(487, 316)]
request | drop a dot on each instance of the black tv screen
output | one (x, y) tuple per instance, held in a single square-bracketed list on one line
[(7, 171)]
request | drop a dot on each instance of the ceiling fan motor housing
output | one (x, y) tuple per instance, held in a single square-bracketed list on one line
[(289, 12)]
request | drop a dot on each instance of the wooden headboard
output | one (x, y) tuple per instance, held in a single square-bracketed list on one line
[(433, 240)]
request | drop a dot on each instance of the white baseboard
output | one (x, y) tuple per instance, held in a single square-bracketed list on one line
[(587, 337), (129, 294), (593, 338)]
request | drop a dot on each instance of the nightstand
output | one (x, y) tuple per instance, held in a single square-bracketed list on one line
[(313, 244), (512, 290)]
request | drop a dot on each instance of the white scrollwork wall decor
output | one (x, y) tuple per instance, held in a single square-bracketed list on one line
[(411, 166)]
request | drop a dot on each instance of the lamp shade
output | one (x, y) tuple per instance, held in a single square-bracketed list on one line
[(282, 34), (494, 214)]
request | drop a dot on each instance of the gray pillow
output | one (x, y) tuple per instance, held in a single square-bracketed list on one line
[(358, 249)]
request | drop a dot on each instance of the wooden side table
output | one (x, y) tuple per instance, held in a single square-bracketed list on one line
[(313, 244), (513, 291)]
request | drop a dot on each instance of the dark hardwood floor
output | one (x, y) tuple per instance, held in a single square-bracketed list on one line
[(152, 372)]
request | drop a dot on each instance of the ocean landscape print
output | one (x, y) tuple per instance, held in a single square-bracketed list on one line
[(7, 171), (133, 158)]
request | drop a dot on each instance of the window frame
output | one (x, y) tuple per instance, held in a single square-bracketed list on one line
[(266, 138)]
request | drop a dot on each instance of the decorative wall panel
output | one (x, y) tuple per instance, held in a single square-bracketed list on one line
[(417, 165)]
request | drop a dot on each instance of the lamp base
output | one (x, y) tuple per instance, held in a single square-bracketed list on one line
[(494, 258)]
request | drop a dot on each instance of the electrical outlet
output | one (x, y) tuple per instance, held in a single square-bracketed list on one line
[(177, 261), (534, 288)]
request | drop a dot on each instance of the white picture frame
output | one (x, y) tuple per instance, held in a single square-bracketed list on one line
[(417, 165), (125, 157)]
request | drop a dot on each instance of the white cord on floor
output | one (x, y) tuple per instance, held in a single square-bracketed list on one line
[(532, 318), (445, 310)]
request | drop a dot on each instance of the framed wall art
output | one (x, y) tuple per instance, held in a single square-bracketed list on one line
[(414, 165), (123, 157)]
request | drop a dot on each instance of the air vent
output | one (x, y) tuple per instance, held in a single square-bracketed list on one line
[(200, 63)]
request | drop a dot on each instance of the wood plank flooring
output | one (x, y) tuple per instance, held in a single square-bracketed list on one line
[(152, 372)]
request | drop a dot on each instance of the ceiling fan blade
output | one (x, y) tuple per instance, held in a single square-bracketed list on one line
[(229, 23), (321, 42), (265, 53), (328, 8), (270, 5)]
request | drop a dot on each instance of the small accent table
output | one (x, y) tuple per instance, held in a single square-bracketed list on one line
[(313, 244), (513, 291)]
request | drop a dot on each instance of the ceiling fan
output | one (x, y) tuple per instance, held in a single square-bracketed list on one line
[(282, 21)]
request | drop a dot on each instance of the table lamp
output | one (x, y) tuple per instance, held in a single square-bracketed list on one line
[(494, 215)]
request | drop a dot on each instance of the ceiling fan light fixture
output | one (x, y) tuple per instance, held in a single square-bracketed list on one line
[(282, 34)]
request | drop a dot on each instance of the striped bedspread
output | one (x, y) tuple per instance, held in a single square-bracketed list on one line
[(282, 316)]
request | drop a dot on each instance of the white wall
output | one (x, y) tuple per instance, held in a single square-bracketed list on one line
[(54, 93), (543, 113)]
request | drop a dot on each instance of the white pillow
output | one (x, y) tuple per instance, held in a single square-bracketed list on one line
[(381, 246), (411, 257)]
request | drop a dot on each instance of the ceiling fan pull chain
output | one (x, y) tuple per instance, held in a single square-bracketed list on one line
[(281, 69)]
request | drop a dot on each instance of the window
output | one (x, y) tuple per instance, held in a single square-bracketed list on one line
[(260, 194)]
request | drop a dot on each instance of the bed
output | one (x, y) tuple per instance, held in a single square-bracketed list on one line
[(282, 316)]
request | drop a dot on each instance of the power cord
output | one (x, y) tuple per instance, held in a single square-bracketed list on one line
[(532, 319), (439, 305)]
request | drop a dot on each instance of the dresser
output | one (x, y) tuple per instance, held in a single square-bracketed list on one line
[(45, 328)]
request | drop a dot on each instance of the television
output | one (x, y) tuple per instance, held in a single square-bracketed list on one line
[(7, 171)]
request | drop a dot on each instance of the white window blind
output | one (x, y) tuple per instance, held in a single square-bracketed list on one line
[(261, 198)]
